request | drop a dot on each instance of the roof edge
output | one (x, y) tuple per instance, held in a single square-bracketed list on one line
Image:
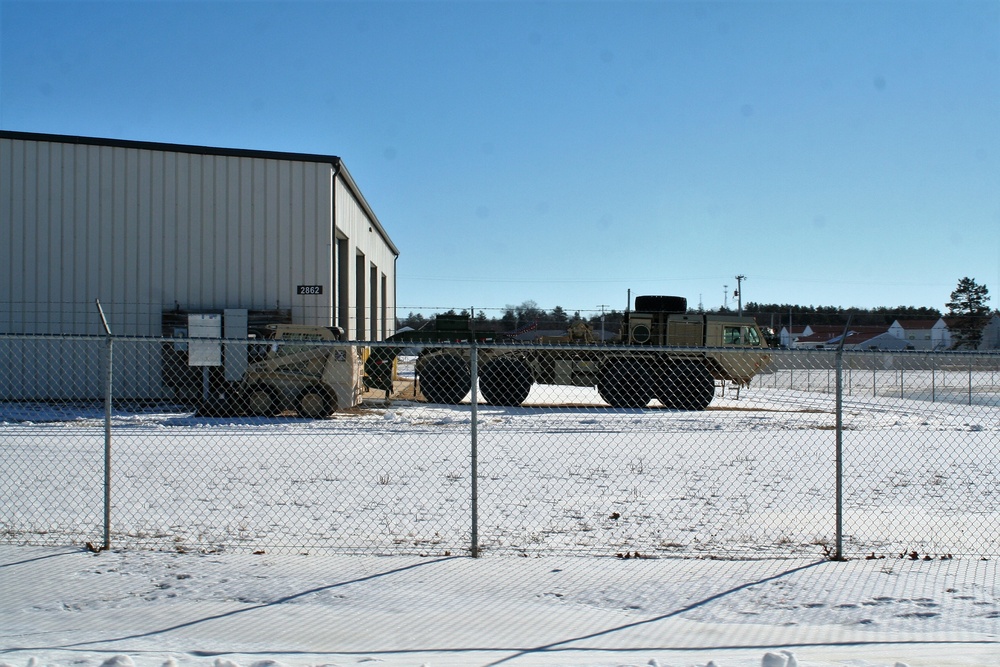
[(341, 170), (160, 146)]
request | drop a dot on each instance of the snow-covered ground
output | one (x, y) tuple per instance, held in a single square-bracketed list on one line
[(564, 491), (752, 476), (65, 606)]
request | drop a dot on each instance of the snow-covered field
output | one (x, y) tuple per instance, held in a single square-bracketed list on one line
[(753, 476), (565, 491)]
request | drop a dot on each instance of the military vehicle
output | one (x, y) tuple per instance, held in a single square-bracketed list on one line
[(662, 352)]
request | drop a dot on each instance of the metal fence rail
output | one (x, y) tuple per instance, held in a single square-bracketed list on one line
[(848, 454)]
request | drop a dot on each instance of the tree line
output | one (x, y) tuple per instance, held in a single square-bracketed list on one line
[(967, 305), (769, 315)]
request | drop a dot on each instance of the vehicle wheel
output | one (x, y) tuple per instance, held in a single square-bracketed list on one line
[(315, 402), (689, 386), (661, 304), (218, 404), (664, 382), (625, 383), (505, 381), (262, 401), (667, 391), (445, 379)]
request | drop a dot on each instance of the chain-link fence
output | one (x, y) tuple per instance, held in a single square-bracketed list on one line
[(590, 449)]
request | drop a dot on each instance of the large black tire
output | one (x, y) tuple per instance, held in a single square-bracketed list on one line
[(625, 383), (687, 386), (505, 381), (315, 402), (661, 304), (445, 379), (261, 400)]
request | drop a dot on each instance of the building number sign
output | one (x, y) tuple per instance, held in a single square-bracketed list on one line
[(309, 289)]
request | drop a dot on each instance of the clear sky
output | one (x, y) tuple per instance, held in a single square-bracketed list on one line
[(835, 153)]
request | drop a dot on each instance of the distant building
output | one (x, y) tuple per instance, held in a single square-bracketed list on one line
[(937, 334), (871, 341), (990, 339), (921, 334), (789, 336), (991, 334), (925, 334), (866, 337), (816, 336)]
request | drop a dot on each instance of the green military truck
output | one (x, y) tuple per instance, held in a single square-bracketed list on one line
[(672, 356)]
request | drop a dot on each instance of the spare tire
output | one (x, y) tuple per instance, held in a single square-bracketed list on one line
[(661, 304)]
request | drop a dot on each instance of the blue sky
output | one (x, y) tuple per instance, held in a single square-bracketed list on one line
[(835, 153)]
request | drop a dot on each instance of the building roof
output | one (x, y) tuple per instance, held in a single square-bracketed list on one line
[(829, 333), (855, 337), (916, 325), (837, 329), (333, 160)]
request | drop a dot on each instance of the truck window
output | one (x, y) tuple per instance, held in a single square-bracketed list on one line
[(286, 349), (731, 335), (750, 336)]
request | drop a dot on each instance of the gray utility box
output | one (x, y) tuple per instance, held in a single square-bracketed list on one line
[(236, 326), (204, 352)]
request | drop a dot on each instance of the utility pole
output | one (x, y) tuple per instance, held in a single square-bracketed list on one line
[(602, 307), (739, 293)]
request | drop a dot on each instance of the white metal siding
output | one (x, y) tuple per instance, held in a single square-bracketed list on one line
[(363, 238), (143, 229)]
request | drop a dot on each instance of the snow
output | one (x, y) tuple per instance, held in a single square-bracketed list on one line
[(749, 476), (65, 606), (548, 590)]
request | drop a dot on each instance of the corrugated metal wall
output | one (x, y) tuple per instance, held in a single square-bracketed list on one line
[(365, 246), (144, 230)]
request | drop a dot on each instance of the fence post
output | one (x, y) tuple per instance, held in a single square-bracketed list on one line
[(474, 372), (108, 353), (970, 382), (107, 444), (838, 553), (933, 379)]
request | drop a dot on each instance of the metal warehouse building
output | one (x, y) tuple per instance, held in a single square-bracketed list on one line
[(155, 231)]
